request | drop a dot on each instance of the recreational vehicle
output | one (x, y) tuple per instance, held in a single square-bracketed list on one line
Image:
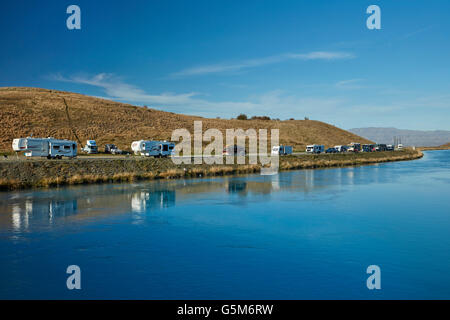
[(381, 147), (90, 147), (234, 150), (155, 149), (354, 147), (340, 148), (45, 147), (282, 150), (315, 148)]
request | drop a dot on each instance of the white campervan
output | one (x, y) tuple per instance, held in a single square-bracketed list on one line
[(234, 150), (45, 147), (315, 148), (282, 150), (90, 147), (152, 148)]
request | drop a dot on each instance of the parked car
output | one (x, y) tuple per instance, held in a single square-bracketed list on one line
[(368, 148), (113, 149), (331, 150), (389, 147)]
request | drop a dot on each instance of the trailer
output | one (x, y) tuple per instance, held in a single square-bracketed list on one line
[(282, 150), (234, 150), (151, 148), (45, 147), (315, 148)]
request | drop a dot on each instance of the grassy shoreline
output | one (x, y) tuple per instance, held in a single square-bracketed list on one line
[(25, 174)]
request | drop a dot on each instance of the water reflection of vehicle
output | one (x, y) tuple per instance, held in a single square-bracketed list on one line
[(147, 200), (24, 215), (236, 186)]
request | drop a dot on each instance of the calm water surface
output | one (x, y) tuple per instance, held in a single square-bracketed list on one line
[(303, 234)]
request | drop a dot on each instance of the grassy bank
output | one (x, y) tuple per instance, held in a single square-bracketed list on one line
[(21, 174)]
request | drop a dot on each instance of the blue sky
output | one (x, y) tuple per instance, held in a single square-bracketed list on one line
[(220, 58)]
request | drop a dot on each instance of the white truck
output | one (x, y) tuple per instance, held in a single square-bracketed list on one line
[(90, 147), (282, 150), (315, 148), (45, 147), (150, 148)]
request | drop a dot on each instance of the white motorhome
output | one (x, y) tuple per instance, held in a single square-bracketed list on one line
[(45, 147), (234, 150), (315, 148), (90, 147), (341, 148), (150, 148), (282, 150)]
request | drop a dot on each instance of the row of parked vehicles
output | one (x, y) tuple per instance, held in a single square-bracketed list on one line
[(57, 149), (352, 147)]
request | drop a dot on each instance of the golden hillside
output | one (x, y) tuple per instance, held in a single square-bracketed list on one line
[(42, 112)]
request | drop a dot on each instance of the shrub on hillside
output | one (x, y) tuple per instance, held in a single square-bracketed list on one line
[(242, 117), (260, 118)]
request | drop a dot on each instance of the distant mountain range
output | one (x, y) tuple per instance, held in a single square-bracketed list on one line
[(408, 137)]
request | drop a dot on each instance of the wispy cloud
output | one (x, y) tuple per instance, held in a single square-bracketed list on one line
[(115, 88), (337, 110), (269, 103), (252, 63), (350, 84)]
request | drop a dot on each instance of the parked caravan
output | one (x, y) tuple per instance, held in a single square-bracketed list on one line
[(354, 147), (282, 150), (90, 147), (45, 147), (150, 148), (234, 150), (341, 148), (315, 148)]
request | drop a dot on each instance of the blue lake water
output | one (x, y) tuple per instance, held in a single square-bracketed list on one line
[(306, 234)]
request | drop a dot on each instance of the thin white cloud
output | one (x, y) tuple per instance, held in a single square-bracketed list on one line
[(341, 111), (274, 103), (350, 84), (252, 63)]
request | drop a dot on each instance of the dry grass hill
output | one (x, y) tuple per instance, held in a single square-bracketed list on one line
[(42, 112)]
